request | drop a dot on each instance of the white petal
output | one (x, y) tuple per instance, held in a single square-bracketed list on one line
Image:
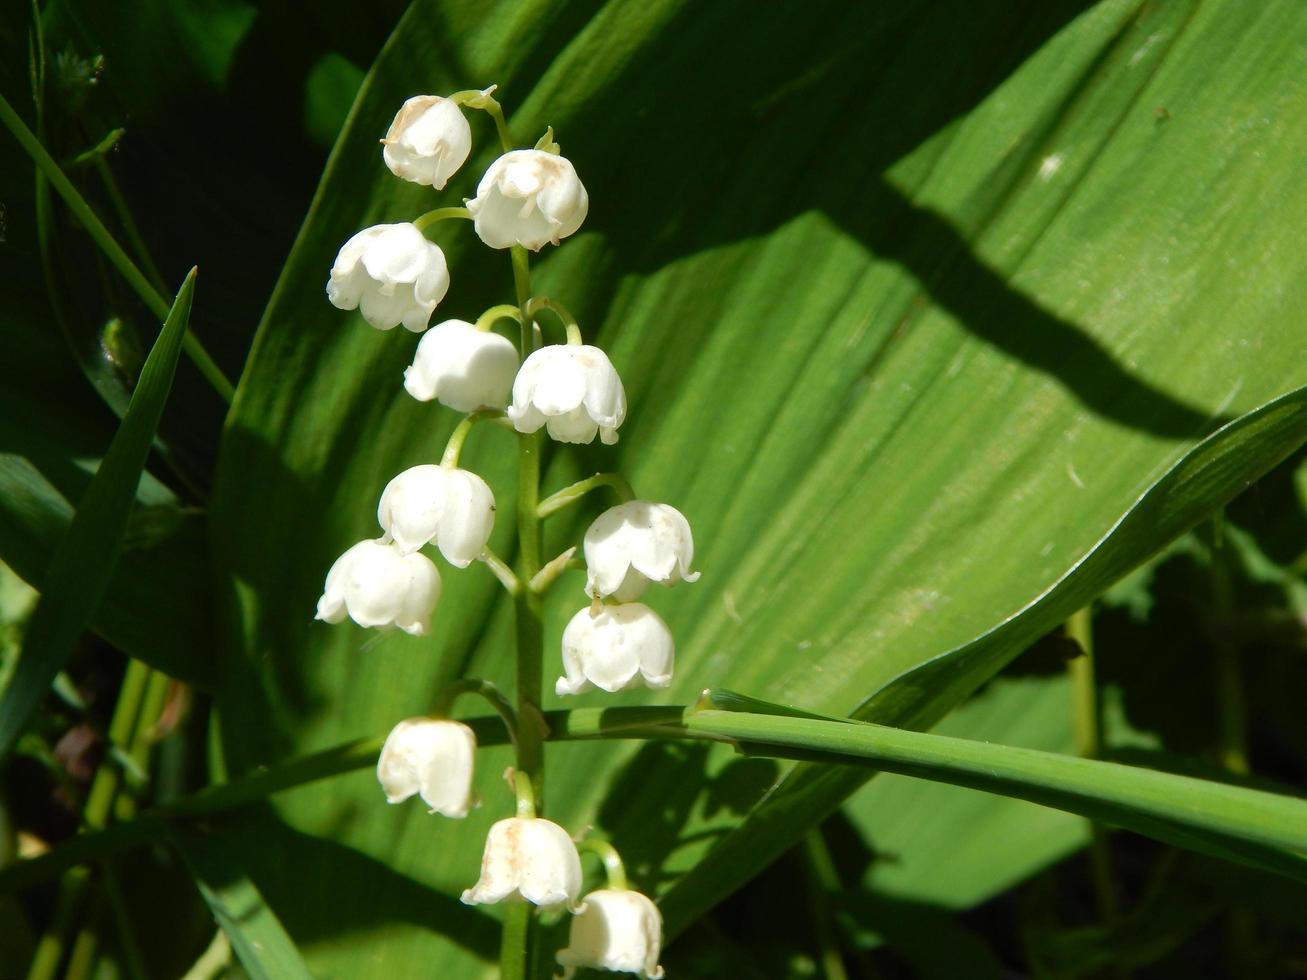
[(617, 929), (463, 367), (574, 427), (428, 141), (392, 274), (652, 539), (400, 253), (411, 504), (452, 508), (529, 198), (615, 649), (379, 586), (433, 757), (531, 856), (467, 518)]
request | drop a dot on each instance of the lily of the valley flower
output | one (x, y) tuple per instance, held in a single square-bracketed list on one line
[(571, 389), (391, 274), (431, 757), (376, 584), (428, 141), (529, 198), (451, 508), (635, 543), (616, 648), (616, 929), (462, 367), (531, 857)]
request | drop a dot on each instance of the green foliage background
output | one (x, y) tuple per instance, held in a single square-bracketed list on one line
[(914, 304)]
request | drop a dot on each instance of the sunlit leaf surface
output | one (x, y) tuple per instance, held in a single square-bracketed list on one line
[(911, 307)]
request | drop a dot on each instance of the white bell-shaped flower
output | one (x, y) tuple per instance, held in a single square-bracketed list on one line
[(635, 543), (616, 648), (529, 198), (462, 367), (451, 508), (428, 141), (529, 856), (431, 757), (391, 274), (616, 929), (571, 389), (376, 584)]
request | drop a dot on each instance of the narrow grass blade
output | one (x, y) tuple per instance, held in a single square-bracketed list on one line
[(257, 935), (1234, 823), (1267, 830), (84, 562)]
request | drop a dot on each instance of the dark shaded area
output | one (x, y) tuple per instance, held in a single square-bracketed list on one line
[(751, 175), (321, 890), (647, 823), (217, 164)]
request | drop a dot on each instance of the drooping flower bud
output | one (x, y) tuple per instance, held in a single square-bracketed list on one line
[(391, 274), (375, 584), (431, 757), (451, 508), (529, 856), (635, 543), (529, 198), (616, 929), (462, 367), (616, 648), (573, 390), (428, 141)]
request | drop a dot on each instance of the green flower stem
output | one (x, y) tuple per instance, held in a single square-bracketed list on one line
[(570, 495), (507, 578), (613, 866), (496, 112), (525, 793), (572, 328), (517, 940), (504, 311), (153, 299), (425, 221), (1232, 714), (484, 689), (1089, 745), (122, 731), (138, 751), (454, 447), (823, 885), (552, 569), (1233, 722), (72, 893), (97, 152)]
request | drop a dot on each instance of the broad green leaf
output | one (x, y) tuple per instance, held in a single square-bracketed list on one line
[(256, 935), (912, 306), (80, 570), (1206, 477)]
